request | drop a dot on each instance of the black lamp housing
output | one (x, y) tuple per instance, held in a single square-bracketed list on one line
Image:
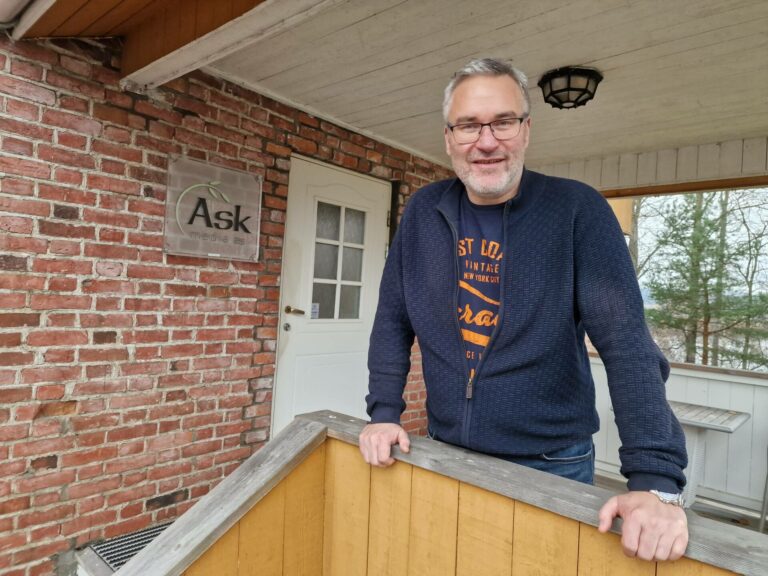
[(569, 87)]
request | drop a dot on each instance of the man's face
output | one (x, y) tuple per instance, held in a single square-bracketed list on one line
[(490, 169)]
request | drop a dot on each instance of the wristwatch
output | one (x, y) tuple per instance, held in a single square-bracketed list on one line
[(668, 497)]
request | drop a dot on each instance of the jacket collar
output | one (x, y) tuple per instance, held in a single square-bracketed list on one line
[(449, 200)]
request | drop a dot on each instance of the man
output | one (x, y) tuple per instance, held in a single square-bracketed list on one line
[(499, 274)]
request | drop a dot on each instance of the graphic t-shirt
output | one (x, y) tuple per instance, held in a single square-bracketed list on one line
[(480, 255)]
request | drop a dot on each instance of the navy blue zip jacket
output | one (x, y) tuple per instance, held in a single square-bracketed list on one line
[(566, 270)]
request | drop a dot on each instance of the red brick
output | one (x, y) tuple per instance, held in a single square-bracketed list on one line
[(65, 194), (74, 122), (49, 302), (46, 446), (11, 395), (57, 338), (86, 521), (48, 228), (120, 465), (50, 374), (102, 354), (83, 457), (14, 432), (66, 157), (56, 479), (26, 90), (47, 516), (15, 358), (113, 185), (130, 432)]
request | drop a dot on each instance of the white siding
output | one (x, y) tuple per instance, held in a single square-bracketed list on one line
[(735, 464), (729, 159)]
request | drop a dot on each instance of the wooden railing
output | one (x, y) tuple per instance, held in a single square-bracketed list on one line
[(307, 504)]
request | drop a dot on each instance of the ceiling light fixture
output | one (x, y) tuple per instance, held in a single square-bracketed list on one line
[(569, 87)]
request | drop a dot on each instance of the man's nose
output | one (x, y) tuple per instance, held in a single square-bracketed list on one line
[(486, 141)]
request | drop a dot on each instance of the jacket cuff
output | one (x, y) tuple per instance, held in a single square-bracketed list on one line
[(644, 481), (385, 414)]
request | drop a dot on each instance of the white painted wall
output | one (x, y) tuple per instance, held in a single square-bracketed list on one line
[(731, 159), (735, 464)]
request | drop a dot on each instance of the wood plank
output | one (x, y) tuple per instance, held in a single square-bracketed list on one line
[(347, 498), (754, 158), (91, 12), (219, 559), (304, 507), (727, 547), (261, 536), (544, 543), (696, 186), (602, 555), (485, 528), (197, 529), (117, 16), (730, 158), (57, 14), (390, 520), (434, 509), (688, 567)]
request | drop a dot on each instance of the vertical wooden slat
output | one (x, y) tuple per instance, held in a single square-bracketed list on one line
[(304, 495), (688, 567), (390, 518), (434, 511), (220, 558), (347, 497), (602, 555), (484, 542), (543, 543), (261, 536)]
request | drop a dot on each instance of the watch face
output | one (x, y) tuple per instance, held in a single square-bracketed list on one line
[(669, 497)]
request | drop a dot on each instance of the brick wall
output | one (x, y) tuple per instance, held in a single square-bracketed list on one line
[(132, 381)]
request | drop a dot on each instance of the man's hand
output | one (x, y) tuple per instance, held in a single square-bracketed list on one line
[(376, 442), (652, 530)]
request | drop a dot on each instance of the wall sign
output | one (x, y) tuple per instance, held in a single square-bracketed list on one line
[(212, 211)]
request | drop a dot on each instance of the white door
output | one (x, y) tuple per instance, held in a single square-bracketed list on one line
[(335, 242)]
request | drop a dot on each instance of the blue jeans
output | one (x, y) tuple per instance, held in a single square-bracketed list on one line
[(576, 462)]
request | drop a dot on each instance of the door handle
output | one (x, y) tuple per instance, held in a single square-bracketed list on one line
[(292, 310)]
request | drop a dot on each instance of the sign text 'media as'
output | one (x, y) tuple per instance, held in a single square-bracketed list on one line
[(212, 211)]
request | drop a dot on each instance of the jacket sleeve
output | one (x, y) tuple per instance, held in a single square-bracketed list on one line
[(389, 353), (610, 306)]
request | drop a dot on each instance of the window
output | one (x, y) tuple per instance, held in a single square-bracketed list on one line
[(702, 263), (338, 266)]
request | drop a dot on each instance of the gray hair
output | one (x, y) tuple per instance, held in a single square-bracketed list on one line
[(486, 67)]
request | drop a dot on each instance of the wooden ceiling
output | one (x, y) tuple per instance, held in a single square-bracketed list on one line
[(677, 73)]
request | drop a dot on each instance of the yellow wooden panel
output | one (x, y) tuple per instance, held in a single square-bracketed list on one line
[(688, 567), (434, 511), (304, 505), (543, 543), (347, 497), (390, 518), (602, 555), (220, 558), (484, 543), (261, 536)]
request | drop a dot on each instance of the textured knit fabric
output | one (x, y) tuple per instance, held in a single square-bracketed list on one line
[(566, 270), (480, 255)]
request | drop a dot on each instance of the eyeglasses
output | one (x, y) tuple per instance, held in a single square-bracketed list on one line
[(502, 129)]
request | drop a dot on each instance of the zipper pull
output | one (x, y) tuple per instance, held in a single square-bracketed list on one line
[(469, 389)]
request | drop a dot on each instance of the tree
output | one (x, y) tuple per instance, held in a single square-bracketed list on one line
[(706, 275)]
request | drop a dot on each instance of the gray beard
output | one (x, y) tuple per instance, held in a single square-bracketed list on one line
[(490, 191)]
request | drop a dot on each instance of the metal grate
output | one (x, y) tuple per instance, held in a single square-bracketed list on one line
[(117, 551)]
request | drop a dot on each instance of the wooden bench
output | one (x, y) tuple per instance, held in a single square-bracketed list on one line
[(696, 420)]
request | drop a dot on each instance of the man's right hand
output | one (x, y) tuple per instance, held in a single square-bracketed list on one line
[(376, 441)]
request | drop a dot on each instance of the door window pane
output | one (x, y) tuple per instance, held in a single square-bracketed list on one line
[(352, 264), (326, 261), (325, 296), (328, 221), (354, 226), (349, 307)]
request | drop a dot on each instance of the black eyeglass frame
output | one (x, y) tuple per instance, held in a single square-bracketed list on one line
[(482, 125)]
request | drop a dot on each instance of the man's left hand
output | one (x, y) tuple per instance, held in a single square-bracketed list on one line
[(652, 530)]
